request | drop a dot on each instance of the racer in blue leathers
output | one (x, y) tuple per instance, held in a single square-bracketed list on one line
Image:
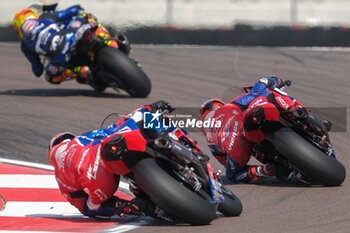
[(53, 35)]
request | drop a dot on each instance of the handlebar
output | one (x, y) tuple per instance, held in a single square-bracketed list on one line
[(281, 86), (163, 106)]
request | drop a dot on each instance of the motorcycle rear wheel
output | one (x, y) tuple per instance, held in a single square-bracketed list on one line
[(120, 65), (171, 196), (325, 169)]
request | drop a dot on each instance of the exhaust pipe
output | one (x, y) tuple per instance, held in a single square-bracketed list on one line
[(163, 143), (181, 152), (314, 122)]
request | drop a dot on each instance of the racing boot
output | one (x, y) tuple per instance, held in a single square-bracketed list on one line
[(257, 173), (83, 74), (143, 206), (124, 207), (66, 75)]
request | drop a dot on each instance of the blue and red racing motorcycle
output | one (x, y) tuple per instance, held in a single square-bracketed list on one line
[(293, 138), (170, 169), (107, 57)]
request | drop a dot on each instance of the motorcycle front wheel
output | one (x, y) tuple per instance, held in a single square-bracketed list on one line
[(232, 206)]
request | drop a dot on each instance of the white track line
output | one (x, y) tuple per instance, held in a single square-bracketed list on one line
[(35, 232), (37, 181), (316, 48), (34, 181), (28, 181), (137, 222), (64, 210), (40, 209), (50, 209), (27, 164)]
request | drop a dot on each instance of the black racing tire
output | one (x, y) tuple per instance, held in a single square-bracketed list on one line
[(232, 206), (116, 62), (325, 169), (171, 196)]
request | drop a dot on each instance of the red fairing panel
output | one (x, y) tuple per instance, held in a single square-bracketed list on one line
[(285, 102), (116, 167), (254, 135), (271, 112), (135, 140)]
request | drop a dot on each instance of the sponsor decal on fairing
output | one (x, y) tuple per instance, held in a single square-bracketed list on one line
[(282, 102), (234, 135)]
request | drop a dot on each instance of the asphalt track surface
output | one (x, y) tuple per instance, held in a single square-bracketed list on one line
[(32, 111)]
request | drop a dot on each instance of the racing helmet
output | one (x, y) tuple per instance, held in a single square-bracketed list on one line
[(59, 138), (210, 105), (22, 16)]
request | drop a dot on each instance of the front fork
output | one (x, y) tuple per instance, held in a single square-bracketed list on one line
[(215, 186)]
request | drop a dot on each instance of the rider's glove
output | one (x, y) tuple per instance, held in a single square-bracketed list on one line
[(161, 105), (105, 211), (271, 82), (91, 19)]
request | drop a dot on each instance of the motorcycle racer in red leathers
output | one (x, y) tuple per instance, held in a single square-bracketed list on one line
[(85, 180), (229, 144)]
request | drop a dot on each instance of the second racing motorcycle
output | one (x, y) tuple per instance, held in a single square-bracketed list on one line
[(107, 57), (293, 138)]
